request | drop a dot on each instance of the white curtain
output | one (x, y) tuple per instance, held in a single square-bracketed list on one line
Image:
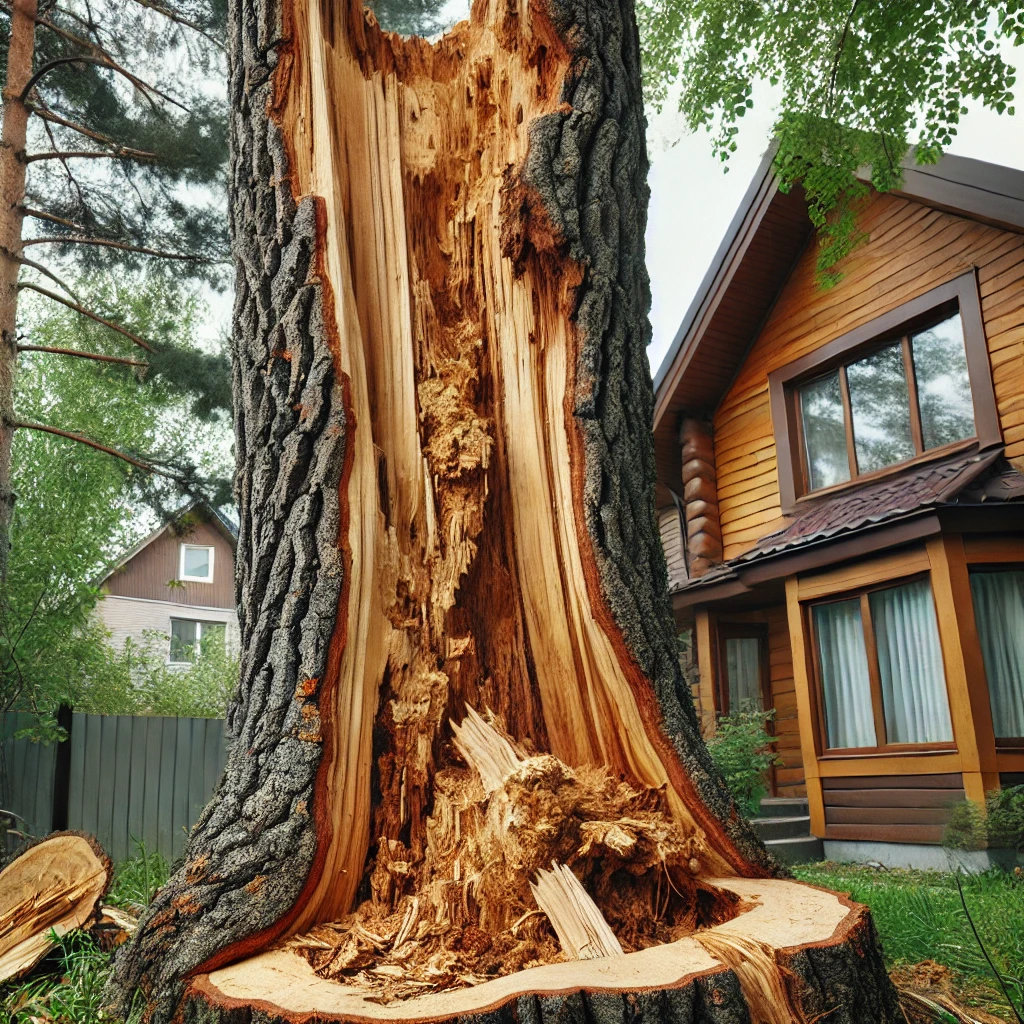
[(999, 616), (910, 665), (743, 670), (846, 686)]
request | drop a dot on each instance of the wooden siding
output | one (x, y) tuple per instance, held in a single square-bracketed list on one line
[(890, 808), (148, 573), (910, 249), (672, 543)]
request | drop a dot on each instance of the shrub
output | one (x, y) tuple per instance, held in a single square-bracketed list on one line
[(1001, 824), (741, 750)]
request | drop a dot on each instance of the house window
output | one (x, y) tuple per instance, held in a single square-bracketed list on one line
[(999, 616), (742, 668), (189, 638), (196, 563), (905, 386), (879, 668)]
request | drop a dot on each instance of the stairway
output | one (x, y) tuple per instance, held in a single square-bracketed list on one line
[(784, 826)]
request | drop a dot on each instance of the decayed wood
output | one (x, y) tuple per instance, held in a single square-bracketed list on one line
[(446, 483), (51, 888)]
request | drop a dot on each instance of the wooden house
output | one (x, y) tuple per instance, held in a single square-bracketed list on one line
[(842, 498), (178, 582)]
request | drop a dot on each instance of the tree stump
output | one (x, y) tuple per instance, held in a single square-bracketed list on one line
[(465, 771)]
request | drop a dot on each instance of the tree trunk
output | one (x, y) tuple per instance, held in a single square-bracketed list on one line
[(12, 195), (443, 410)]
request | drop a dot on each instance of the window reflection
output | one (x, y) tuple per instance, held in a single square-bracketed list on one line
[(821, 407), (943, 388), (881, 409)]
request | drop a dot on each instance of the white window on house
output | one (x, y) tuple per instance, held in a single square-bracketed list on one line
[(196, 564), (879, 666), (999, 615), (189, 638)]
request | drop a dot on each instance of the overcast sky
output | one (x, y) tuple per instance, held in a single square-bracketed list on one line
[(692, 201)]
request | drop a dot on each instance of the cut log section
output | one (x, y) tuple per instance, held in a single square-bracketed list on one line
[(51, 888), (446, 501)]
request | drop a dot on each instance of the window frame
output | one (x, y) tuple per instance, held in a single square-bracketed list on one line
[(1008, 744), (199, 623), (742, 631), (182, 575), (817, 690), (957, 295)]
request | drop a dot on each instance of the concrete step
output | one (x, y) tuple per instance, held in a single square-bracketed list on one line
[(796, 851), (783, 806), (788, 827)]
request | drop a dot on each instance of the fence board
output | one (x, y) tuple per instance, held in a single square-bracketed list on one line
[(26, 775), (128, 778)]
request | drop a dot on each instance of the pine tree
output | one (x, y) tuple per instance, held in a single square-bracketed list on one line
[(104, 166)]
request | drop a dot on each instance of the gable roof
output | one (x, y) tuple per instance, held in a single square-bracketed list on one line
[(761, 246), (216, 518)]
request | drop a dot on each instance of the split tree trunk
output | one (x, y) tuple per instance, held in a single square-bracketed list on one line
[(443, 410)]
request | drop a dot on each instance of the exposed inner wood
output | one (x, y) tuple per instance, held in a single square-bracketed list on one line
[(51, 889), (781, 915)]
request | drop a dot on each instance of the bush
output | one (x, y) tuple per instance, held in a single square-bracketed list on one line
[(741, 750), (1001, 824)]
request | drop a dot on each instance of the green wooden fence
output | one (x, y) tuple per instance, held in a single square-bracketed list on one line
[(124, 779)]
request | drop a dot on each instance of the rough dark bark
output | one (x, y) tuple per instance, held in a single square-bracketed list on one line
[(572, 213)]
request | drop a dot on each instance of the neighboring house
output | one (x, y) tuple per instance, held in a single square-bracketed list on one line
[(180, 582), (841, 495)]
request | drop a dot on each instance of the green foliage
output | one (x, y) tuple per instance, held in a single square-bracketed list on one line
[(412, 17), (741, 750), (137, 680), (858, 81), (1001, 825), (76, 506), (138, 878), (919, 916)]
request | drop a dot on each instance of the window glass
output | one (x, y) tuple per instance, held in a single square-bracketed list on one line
[(846, 685), (999, 616), (743, 671), (910, 665), (196, 561), (943, 387), (880, 403), (184, 634), (212, 636), (821, 409)]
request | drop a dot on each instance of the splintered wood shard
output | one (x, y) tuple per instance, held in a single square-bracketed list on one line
[(583, 932), (485, 749)]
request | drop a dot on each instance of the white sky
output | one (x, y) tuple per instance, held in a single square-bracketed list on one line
[(692, 200)]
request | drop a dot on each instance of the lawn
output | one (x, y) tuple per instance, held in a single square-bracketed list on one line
[(920, 917)]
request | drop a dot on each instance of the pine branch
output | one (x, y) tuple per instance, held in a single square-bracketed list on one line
[(53, 218), (67, 170), (85, 312), (82, 439), (122, 152), (82, 355), (103, 61), (25, 261), (172, 16), (48, 115), (126, 246)]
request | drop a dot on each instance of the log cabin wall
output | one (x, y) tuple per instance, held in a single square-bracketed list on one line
[(153, 572), (910, 249), (700, 492), (788, 777), (671, 530)]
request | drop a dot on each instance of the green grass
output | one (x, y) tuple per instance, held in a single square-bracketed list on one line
[(67, 988), (919, 916)]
